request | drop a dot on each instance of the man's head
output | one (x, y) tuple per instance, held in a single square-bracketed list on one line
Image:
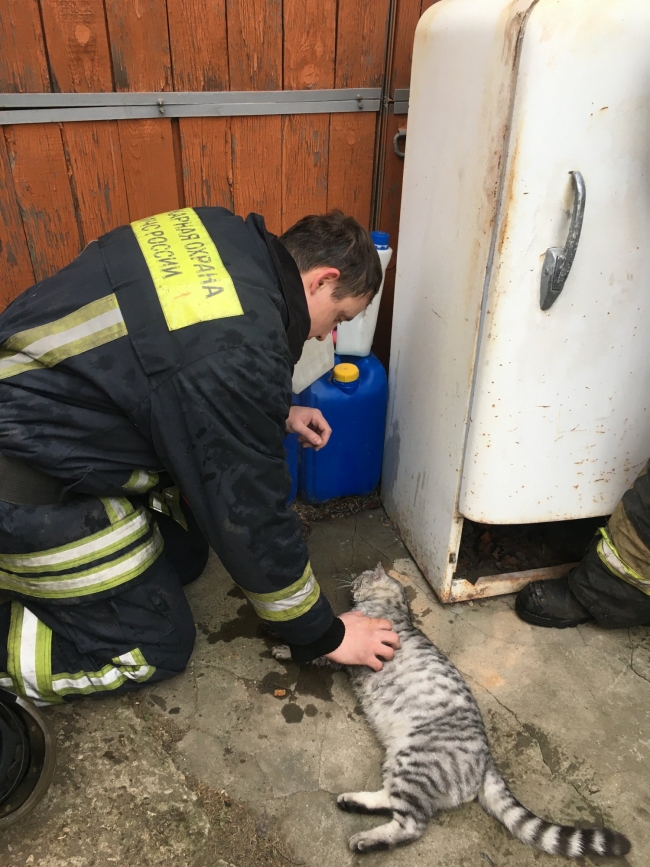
[(339, 266)]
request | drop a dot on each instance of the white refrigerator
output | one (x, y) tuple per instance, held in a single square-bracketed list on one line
[(520, 360)]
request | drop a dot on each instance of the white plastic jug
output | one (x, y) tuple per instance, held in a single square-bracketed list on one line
[(355, 337), (316, 359)]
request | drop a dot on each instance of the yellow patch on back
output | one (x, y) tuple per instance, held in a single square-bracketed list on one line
[(192, 282)]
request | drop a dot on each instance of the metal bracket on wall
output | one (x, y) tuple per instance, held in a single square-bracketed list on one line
[(57, 107), (401, 100)]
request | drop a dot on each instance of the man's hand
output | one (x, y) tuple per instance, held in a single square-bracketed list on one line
[(312, 429), (366, 642)]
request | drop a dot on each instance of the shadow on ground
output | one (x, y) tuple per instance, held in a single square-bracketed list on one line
[(238, 761)]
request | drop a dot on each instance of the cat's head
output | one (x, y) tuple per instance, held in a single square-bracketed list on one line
[(376, 586)]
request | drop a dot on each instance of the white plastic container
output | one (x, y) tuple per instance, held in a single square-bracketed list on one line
[(355, 337), (316, 359)]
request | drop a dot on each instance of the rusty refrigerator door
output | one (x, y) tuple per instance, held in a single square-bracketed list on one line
[(520, 368)]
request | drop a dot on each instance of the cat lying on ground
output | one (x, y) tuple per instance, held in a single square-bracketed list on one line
[(437, 752)]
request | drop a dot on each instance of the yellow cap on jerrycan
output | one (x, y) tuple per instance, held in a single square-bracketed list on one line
[(345, 372)]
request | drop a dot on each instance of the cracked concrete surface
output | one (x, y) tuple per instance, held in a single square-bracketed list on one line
[(568, 713)]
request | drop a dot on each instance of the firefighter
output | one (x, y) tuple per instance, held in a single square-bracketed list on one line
[(611, 584), (145, 391)]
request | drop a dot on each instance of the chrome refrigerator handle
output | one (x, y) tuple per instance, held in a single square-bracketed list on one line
[(558, 260)]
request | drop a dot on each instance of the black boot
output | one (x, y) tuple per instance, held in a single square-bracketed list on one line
[(550, 603)]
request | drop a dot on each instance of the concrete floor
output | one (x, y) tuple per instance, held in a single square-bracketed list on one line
[(568, 714)]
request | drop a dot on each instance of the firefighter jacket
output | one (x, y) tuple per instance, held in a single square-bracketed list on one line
[(165, 352)]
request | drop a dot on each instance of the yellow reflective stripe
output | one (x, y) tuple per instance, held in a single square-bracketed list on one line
[(289, 603), (94, 580), (117, 508), (191, 281), (141, 480), (127, 666), (99, 545), (13, 647), (617, 566), (87, 328), (30, 663)]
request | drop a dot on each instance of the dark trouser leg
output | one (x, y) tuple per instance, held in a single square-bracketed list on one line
[(612, 581), (186, 550), (57, 651), (610, 600)]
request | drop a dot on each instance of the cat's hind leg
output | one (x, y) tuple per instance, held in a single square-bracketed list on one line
[(365, 802), (403, 828)]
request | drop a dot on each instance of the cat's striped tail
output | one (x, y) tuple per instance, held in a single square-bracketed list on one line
[(496, 798)]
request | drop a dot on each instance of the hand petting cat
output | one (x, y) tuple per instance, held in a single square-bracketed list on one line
[(367, 641)]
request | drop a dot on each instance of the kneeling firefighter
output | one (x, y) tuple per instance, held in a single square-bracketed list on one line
[(145, 391)]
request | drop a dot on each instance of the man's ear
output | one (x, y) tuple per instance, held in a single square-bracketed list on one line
[(321, 277)]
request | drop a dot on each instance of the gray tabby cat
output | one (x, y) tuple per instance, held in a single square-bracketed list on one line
[(437, 752)]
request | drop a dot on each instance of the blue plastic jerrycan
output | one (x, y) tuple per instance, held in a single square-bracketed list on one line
[(353, 399)]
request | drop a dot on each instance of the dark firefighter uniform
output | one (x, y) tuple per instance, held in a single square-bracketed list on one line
[(612, 581), (162, 356)]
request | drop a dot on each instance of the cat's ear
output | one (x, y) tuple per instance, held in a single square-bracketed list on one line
[(379, 571)]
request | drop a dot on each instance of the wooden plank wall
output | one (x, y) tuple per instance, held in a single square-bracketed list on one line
[(408, 15), (63, 184)]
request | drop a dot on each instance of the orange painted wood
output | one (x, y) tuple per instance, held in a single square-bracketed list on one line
[(352, 145), (40, 176), (425, 5), (408, 15), (309, 50), (95, 159), (77, 45), (255, 44), (199, 44), (139, 43), (200, 62), (255, 63), (23, 64), (305, 140), (361, 43), (309, 44), (362, 30), (207, 161), (257, 168), (149, 167), (15, 263)]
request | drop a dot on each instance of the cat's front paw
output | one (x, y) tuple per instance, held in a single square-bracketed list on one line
[(364, 841), (281, 652)]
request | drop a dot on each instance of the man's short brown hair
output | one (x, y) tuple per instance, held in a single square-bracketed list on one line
[(336, 241)]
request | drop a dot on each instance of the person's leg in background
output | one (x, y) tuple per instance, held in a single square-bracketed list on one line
[(611, 584)]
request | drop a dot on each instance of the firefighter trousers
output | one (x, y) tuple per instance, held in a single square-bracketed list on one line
[(53, 649), (612, 580)]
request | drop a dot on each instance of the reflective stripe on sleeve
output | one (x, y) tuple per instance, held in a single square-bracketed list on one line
[(617, 566), (87, 328), (140, 481), (289, 603)]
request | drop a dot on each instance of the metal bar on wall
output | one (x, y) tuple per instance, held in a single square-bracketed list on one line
[(20, 108)]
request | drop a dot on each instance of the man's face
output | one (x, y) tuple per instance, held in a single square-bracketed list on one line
[(326, 311)]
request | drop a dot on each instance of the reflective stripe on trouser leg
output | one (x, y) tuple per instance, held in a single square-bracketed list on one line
[(93, 564), (30, 664)]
